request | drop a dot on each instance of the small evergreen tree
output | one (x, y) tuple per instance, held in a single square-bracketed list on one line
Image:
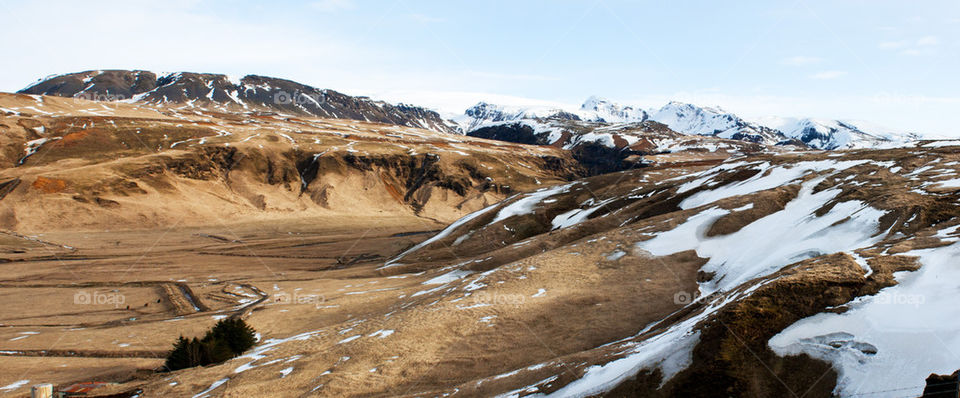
[(227, 339), (179, 357), (214, 351), (235, 333), (197, 353)]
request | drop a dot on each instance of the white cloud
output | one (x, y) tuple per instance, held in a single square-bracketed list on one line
[(891, 45), (828, 75), (801, 60), (331, 5), (918, 51), (928, 41), (925, 45), (424, 18)]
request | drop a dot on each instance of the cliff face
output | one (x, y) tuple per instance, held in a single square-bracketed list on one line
[(70, 163)]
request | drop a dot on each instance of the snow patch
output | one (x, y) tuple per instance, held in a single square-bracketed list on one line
[(767, 178), (15, 385), (212, 387), (448, 277), (772, 242), (911, 328), (526, 204)]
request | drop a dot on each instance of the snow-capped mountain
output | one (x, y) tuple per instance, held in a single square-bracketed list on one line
[(594, 110), (485, 114), (695, 120), (602, 110), (839, 134), (816, 133), (692, 119), (683, 118), (226, 93)]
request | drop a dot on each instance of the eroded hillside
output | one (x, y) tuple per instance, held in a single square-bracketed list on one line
[(379, 260), (755, 276), (76, 164)]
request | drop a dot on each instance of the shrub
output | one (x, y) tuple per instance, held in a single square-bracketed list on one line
[(183, 355), (227, 339), (237, 335)]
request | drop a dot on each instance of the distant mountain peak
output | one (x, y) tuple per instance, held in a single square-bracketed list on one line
[(604, 110), (593, 102), (839, 134), (693, 119), (220, 91)]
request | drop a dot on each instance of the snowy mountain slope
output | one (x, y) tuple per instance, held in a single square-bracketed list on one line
[(692, 119), (838, 134), (601, 134), (609, 112), (603, 147), (696, 120), (226, 93), (594, 109), (873, 345), (484, 114), (775, 240)]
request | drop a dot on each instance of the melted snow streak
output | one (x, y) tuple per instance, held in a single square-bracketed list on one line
[(671, 351), (13, 386), (443, 234), (213, 386), (448, 277), (527, 204), (259, 352), (893, 340), (576, 216)]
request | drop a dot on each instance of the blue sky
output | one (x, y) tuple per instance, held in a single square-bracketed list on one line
[(890, 62)]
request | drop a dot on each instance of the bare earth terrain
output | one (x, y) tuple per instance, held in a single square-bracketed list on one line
[(107, 309), (379, 260)]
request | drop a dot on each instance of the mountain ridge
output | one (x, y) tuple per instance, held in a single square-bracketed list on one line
[(223, 92), (702, 120), (254, 93)]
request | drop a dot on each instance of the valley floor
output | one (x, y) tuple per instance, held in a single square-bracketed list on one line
[(106, 306)]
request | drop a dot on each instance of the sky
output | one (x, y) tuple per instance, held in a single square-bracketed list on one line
[(893, 63)]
